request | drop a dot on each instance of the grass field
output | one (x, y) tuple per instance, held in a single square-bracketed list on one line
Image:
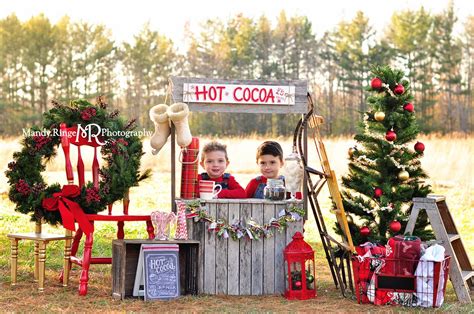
[(448, 160)]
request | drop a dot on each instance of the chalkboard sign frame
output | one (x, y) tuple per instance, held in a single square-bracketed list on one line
[(149, 254)]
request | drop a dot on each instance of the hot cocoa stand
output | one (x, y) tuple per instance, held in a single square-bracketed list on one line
[(244, 265)]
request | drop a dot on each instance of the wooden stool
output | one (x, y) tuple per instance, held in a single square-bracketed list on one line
[(41, 240)]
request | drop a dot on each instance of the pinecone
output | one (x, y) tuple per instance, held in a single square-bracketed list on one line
[(56, 104), (106, 189), (131, 124), (113, 114), (101, 102), (38, 188)]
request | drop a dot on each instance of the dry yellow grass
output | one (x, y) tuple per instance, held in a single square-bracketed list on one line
[(448, 160)]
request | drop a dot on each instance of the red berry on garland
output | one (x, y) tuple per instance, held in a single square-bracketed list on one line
[(364, 231), (409, 107), (22, 187), (395, 226), (390, 136), (376, 83), (419, 147), (378, 192), (399, 89)]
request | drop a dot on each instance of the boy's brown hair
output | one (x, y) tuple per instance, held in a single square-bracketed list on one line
[(270, 148), (212, 147)]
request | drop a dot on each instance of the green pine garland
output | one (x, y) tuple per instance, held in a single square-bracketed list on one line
[(243, 227), (120, 171)]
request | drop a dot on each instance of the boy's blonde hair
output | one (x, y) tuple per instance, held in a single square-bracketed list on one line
[(213, 147)]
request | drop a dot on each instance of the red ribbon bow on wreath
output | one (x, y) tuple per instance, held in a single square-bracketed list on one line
[(70, 211)]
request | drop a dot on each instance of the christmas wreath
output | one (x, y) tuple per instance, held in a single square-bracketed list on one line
[(122, 151)]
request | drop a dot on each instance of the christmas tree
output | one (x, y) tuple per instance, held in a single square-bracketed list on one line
[(384, 167)]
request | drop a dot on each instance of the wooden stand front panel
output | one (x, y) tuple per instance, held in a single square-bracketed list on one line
[(242, 267)]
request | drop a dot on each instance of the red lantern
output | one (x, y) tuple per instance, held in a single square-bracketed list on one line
[(189, 169), (299, 269)]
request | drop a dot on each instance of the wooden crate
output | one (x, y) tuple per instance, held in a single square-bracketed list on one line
[(125, 259), (243, 267)]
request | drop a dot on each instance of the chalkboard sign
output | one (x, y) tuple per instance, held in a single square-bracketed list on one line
[(159, 265)]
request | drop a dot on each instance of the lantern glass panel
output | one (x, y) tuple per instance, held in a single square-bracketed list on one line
[(309, 265), (296, 283)]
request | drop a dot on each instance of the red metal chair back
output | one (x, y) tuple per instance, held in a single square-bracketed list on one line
[(79, 136)]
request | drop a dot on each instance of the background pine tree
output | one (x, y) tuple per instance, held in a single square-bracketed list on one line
[(384, 170)]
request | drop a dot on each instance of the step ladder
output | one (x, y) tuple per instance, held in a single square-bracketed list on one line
[(461, 271)]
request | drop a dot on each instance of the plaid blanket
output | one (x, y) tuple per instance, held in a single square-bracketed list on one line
[(189, 170)]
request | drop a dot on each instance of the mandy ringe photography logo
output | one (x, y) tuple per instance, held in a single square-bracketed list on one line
[(89, 131)]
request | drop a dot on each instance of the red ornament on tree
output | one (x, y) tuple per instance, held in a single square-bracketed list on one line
[(390, 136), (399, 89), (364, 231), (409, 107), (395, 226), (419, 147), (378, 192), (376, 83)]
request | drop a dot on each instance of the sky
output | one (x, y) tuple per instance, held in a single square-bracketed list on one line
[(126, 18)]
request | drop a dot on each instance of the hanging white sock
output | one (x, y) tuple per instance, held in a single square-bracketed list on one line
[(178, 114), (159, 116)]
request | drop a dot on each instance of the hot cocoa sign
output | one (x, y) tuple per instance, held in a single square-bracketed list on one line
[(239, 94)]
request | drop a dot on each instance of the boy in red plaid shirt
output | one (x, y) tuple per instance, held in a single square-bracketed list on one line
[(214, 160)]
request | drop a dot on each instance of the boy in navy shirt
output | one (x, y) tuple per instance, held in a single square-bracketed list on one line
[(270, 161)]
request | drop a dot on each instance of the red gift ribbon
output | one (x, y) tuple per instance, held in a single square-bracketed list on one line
[(70, 211)]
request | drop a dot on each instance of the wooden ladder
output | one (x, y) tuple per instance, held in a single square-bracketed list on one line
[(461, 271)]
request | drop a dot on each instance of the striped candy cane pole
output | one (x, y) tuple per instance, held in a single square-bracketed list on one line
[(181, 229)]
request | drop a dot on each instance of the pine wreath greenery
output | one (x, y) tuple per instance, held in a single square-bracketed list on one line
[(120, 170)]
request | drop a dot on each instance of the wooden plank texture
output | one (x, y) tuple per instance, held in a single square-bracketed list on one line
[(210, 256), (269, 254), (221, 253), (245, 269), (257, 255), (280, 244), (300, 106), (233, 255)]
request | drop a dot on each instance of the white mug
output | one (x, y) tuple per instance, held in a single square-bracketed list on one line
[(208, 189)]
